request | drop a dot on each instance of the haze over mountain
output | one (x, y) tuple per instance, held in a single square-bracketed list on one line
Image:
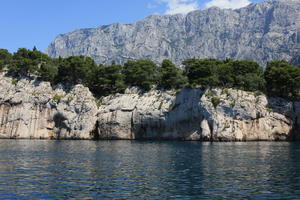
[(261, 31)]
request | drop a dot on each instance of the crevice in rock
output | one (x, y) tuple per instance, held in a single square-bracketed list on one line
[(295, 129), (132, 135), (95, 133), (60, 124), (211, 128), (269, 19)]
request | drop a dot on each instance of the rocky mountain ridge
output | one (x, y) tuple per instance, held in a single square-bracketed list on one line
[(261, 31), (34, 109)]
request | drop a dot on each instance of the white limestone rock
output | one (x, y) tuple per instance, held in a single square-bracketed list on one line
[(191, 115), (34, 109)]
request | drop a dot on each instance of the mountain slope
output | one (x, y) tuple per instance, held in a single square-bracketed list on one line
[(260, 31)]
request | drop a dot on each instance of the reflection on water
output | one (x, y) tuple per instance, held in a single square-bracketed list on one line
[(32, 169)]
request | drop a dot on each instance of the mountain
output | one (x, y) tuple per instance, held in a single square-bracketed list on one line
[(261, 32)]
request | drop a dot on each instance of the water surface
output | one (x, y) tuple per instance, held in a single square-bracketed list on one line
[(33, 169)]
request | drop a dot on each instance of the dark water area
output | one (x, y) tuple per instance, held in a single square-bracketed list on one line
[(33, 169)]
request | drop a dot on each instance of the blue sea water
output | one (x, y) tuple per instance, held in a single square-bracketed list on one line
[(34, 169)]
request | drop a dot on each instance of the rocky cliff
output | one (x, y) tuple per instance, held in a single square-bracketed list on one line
[(193, 114), (33, 109), (261, 31)]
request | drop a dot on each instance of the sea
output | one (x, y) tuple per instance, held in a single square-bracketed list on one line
[(49, 169)]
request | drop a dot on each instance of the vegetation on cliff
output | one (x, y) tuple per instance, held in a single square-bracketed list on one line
[(279, 79), (245, 74)]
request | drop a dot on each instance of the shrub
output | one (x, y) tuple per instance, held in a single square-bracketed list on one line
[(57, 98), (160, 105), (215, 101), (14, 81)]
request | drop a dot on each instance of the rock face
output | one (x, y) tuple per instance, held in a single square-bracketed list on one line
[(34, 109), (239, 115), (261, 31), (151, 115), (193, 114)]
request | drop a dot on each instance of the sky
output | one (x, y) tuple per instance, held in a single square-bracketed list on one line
[(29, 23)]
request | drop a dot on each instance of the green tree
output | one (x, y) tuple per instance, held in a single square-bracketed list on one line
[(48, 72), (5, 58), (26, 62), (226, 74), (282, 79), (202, 72), (247, 75), (107, 80), (171, 77), (141, 73), (244, 74), (75, 69)]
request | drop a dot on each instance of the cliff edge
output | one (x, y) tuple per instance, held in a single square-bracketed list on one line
[(194, 114), (34, 109)]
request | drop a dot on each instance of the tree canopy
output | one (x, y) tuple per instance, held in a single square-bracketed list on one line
[(5, 58), (26, 62), (107, 80), (141, 73), (76, 69), (280, 78), (283, 79), (241, 74), (171, 77)]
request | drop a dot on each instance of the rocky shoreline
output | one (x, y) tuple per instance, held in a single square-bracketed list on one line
[(32, 109)]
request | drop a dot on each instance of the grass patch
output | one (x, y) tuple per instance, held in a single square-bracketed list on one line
[(215, 101), (160, 105), (210, 94), (98, 101), (70, 98), (57, 98), (36, 94), (14, 81), (226, 92), (232, 104)]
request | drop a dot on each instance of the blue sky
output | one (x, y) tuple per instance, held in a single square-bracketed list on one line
[(28, 23)]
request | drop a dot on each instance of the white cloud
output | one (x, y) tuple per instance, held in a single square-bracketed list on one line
[(234, 4), (180, 6)]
